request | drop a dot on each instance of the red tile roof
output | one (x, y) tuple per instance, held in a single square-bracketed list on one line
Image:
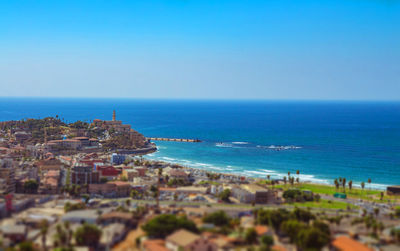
[(345, 243), (261, 230)]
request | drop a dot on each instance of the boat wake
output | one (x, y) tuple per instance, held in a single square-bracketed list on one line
[(239, 144)]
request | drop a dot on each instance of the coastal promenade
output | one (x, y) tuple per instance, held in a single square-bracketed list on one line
[(176, 140)]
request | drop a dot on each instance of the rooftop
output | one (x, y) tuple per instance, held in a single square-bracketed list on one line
[(345, 243), (253, 188), (182, 237)]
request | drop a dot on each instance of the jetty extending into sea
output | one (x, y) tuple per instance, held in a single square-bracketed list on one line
[(174, 139)]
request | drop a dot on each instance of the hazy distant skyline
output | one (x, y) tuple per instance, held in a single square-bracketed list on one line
[(333, 50)]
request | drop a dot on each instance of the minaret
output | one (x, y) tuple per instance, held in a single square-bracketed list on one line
[(114, 115)]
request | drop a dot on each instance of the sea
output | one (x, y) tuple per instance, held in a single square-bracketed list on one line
[(324, 140)]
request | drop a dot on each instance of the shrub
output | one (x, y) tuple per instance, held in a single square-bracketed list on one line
[(224, 195), (219, 218), (251, 236), (164, 225), (312, 238), (88, 235)]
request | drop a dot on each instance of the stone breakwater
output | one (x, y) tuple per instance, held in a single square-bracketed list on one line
[(175, 140)]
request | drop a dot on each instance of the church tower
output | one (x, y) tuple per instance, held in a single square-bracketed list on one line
[(114, 116)]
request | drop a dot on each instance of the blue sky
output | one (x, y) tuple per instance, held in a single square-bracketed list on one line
[(339, 49)]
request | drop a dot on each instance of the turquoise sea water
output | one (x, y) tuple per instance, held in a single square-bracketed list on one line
[(324, 140)]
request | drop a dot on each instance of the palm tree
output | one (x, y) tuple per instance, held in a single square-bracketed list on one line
[(376, 211), (284, 179), (336, 184), (69, 232), (344, 184), (61, 236), (298, 176), (44, 227), (288, 174), (369, 182), (350, 184), (362, 185), (268, 177), (291, 181), (158, 187)]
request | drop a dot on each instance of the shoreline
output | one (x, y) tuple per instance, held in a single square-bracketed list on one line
[(187, 164)]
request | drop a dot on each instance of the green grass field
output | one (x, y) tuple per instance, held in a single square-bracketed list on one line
[(324, 204), (357, 193)]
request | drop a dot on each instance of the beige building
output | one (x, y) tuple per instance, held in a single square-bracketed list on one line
[(7, 177), (130, 174), (188, 241), (252, 193)]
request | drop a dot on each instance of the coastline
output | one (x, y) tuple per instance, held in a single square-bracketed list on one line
[(252, 174)]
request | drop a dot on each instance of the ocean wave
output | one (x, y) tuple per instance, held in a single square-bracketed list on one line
[(268, 171), (279, 148), (258, 173), (169, 159), (223, 145), (240, 143), (255, 172)]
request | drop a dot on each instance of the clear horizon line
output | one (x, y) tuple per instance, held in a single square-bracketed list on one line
[(204, 99)]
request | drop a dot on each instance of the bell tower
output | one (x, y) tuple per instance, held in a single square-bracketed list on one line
[(114, 116)]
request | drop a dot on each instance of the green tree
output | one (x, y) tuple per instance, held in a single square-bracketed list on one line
[(395, 233), (26, 246), (103, 180), (273, 218), (60, 238), (266, 242), (68, 207), (312, 238), (218, 218), (135, 194), (31, 186), (44, 227), (344, 184), (79, 125), (303, 215), (323, 227), (224, 195), (88, 235), (165, 224), (291, 228), (336, 182), (376, 211), (160, 171), (251, 236)]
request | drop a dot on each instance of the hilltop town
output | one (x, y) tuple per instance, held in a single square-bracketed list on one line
[(89, 186)]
